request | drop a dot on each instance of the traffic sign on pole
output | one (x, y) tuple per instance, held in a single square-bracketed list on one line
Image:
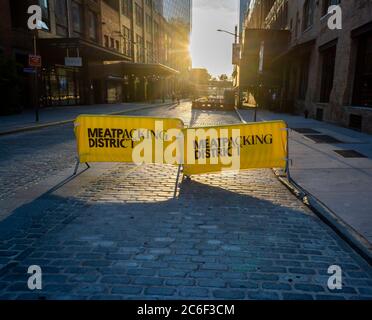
[(34, 61)]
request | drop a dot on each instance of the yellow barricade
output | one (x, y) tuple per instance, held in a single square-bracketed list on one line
[(165, 140), (111, 138), (236, 147)]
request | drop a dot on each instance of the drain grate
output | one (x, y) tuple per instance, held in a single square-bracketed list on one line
[(323, 138), (350, 154), (305, 130)]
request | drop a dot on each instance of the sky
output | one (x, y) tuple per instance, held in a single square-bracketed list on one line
[(211, 49)]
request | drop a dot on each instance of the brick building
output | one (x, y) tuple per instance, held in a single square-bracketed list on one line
[(127, 49), (324, 73)]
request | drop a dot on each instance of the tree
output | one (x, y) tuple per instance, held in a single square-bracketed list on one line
[(223, 77), (199, 76)]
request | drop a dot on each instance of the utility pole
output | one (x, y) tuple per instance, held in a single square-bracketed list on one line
[(36, 80), (236, 38), (259, 77)]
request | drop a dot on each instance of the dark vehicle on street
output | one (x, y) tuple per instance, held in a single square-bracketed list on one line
[(227, 102)]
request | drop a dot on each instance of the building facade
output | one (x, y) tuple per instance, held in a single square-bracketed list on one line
[(116, 50), (178, 15), (324, 73), (243, 11)]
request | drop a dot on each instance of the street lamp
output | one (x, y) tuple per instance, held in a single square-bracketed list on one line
[(231, 33), (236, 43), (40, 25)]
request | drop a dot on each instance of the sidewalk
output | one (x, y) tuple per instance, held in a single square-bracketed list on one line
[(343, 184), (55, 115)]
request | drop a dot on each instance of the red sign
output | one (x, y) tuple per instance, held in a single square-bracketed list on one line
[(34, 61)]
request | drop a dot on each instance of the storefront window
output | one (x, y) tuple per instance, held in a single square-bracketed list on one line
[(61, 86)]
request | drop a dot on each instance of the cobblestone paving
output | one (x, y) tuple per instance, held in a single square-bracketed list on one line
[(224, 236), (28, 158)]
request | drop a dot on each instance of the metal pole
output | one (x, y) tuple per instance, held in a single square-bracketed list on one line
[(258, 99), (177, 180), (36, 81), (288, 161), (255, 113)]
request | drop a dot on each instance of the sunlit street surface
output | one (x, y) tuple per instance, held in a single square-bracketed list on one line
[(118, 231)]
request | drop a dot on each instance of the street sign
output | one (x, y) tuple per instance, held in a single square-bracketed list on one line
[(29, 70), (73, 62), (34, 61)]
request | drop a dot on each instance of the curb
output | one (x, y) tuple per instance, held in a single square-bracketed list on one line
[(57, 123), (345, 231), (356, 241), (239, 115)]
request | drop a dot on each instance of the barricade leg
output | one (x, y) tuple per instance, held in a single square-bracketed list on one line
[(77, 166), (180, 168), (287, 171)]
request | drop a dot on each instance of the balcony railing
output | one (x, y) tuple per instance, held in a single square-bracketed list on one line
[(274, 13)]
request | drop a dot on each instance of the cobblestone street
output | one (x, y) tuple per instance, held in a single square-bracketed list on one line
[(116, 231)]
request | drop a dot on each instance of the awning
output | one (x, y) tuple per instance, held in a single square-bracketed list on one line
[(360, 31), (275, 43), (58, 48), (297, 50), (147, 69), (121, 69)]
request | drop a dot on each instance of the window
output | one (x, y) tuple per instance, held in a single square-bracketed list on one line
[(61, 17), (304, 76), (139, 53), (92, 25), (308, 18), (44, 4), (327, 4), (328, 70), (126, 8), (112, 43), (149, 52), (363, 77), (148, 24), (127, 41), (139, 16), (156, 45), (106, 41), (117, 45), (297, 24), (77, 17), (148, 3), (114, 4), (156, 29)]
